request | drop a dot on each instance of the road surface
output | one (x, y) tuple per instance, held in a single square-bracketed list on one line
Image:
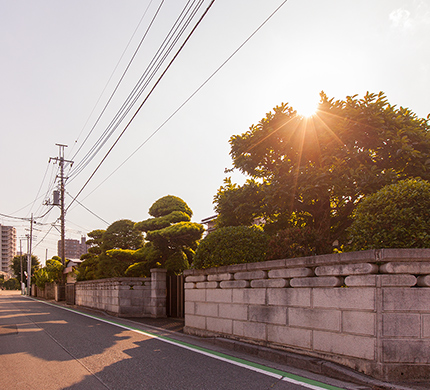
[(46, 346)]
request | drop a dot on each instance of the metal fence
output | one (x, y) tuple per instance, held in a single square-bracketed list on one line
[(70, 293), (175, 296)]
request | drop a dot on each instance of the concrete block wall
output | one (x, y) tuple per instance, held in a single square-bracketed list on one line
[(47, 293), (368, 310), (124, 297)]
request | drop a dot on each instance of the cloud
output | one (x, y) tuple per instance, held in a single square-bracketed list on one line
[(416, 17), (401, 18)]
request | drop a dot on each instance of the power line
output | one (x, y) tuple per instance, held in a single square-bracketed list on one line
[(144, 101), (12, 217), (181, 23), (193, 94), (110, 78), (119, 82), (86, 208)]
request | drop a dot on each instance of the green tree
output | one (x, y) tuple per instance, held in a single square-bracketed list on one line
[(107, 255), (231, 245), (313, 172), (52, 272), (16, 266), (396, 216), (172, 237), (95, 242), (238, 205), (88, 268), (11, 284), (121, 235)]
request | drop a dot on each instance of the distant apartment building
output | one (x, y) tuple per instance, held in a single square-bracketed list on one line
[(73, 249), (8, 247)]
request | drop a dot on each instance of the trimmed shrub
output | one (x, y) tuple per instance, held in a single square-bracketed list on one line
[(397, 216), (231, 245)]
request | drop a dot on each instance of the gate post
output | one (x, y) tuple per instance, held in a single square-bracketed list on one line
[(158, 293)]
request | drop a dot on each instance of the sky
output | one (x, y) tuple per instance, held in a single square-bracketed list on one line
[(60, 72)]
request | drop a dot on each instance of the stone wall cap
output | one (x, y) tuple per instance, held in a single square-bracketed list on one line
[(403, 254), (366, 256), (161, 270)]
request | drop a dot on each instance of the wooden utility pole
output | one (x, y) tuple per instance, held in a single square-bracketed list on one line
[(29, 249), (60, 159)]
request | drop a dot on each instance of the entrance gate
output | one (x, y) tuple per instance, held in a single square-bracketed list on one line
[(175, 296), (70, 293)]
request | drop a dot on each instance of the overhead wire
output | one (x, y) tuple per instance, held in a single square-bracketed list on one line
[(179, 108), (117, 85), (40, 187), (145, 100), (150, 72), (107, 83), (86, 208), (192, 95), (53, 183)]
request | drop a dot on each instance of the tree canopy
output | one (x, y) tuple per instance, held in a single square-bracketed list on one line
[(52, 272), (16, 266), (121, 235), (109, 251), (312, 172)]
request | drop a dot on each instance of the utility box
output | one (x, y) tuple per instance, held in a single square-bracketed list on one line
[(56, 196)]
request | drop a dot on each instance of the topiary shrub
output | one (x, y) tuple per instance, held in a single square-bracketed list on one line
[(397, 216), (172, 237), (231, 245)]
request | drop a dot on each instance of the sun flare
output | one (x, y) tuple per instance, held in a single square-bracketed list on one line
[(306, 109)]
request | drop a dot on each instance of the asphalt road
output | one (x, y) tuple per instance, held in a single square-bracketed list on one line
[(45, 346)]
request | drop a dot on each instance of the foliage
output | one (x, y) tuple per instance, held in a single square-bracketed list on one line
[(146, 258), (121, 250), (121, 235), (171, 237), (16, 266), (397, 216), (41, 278), (95, 242), (169, 204), (238, 205), (111, 251), (162, 222), (293, 242), (11, 284), (138, 270), (52, 272), (87, 270), (231, 245), (313, 172)]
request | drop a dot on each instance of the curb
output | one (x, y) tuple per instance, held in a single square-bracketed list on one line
[(311, 364)]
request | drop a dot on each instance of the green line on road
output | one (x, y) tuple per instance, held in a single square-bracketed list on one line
[(273, 372)]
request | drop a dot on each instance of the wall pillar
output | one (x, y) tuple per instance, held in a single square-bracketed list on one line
[(158, 293)]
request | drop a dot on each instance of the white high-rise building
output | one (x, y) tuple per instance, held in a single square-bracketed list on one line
[(8, 247)]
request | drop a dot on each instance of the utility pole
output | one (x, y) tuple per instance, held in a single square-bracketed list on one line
[(60, 159), (20, 258), (29, 245)]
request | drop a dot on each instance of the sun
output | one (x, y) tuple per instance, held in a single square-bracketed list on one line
[(305, 106), (306, 109)]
